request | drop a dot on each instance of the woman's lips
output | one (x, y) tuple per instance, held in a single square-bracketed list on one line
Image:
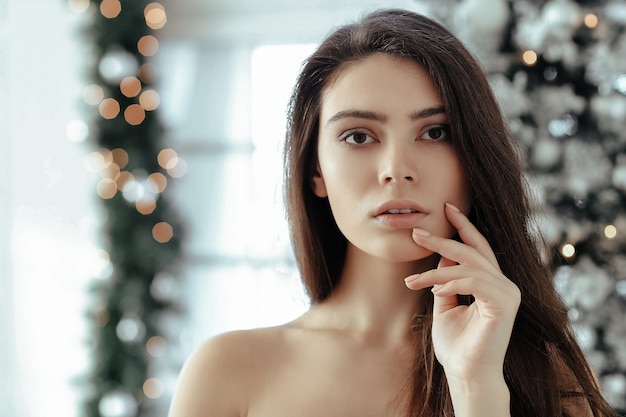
[(400, 220)]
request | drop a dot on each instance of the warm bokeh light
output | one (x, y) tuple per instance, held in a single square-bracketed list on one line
[(568, 250), (156, 346), (78, 6), (145, 205), (610, 231), (177, 168), (148, 45), (165, 157), (110, 8), (155, 16), (97, 161), (130, 86), (162, 232), (124, 179), (109, 108), (111, 172), (149, 100), (107, 156), (157, 182), (106, 188), (153, 388), (529, 57), (591, 20), (148, 73), (120, 157), (93, 94), (134, 114)]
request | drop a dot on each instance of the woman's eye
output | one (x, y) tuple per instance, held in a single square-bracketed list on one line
[(436, 133), (358, 138)]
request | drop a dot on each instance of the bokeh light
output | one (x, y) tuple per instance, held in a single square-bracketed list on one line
[(120, 157), (529, 57), (93, 94), (591, 20), (153, 388), (148, 45), (130, 329), (145, 205), (112, 172), (149, 100), (162, 232), (177, 168), (106, 188), (156, 346), (610, 231), (118, 403), (157, 182), (568, 250), (96, 161), (124, 180), (109, 108), (134, 114), (148, 73), (166, 158), (155, 16), (117, 64), (130, 86), (77, 130), (110, 8)]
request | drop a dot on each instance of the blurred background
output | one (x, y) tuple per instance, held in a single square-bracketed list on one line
[(140, 199)]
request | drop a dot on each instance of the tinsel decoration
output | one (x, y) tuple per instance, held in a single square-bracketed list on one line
[(140, 233), (558, 68)]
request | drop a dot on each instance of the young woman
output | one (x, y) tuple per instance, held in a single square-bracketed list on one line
[(410, 226)]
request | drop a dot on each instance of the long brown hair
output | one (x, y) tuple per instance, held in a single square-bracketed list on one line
[(542, 353)]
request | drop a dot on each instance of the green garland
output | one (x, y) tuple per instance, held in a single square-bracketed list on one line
[(124, 308)]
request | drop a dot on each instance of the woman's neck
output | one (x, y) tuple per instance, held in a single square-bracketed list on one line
[(371, 301)]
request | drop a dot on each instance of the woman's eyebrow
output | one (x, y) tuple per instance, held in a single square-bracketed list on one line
[(370, 115), (428, 112), (356, 114)]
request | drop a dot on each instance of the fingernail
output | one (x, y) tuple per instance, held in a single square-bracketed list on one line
[(435, 289), (411, 278), (453, 207), (421, 232)]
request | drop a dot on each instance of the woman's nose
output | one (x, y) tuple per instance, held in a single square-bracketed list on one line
[(397, 165)]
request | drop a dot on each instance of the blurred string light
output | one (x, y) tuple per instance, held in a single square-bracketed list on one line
[(155, 16), (590, 20), (610, 231), (148, 45), (568, 250), (529, 57), (110, 8)]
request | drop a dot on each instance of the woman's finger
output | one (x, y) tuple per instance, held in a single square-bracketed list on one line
[(458, 252), (468, 233), (442, 276)]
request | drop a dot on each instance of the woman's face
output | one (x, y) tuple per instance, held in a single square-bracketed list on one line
[(386, 162)]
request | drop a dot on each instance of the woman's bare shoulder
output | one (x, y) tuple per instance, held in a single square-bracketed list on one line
[(221, 376)]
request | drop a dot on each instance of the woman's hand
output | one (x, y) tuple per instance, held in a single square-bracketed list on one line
[(471, 341)]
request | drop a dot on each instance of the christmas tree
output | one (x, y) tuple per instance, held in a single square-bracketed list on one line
[(141, 232)]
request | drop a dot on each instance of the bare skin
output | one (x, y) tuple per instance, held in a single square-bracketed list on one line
[(381, 147), (347, 356)]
